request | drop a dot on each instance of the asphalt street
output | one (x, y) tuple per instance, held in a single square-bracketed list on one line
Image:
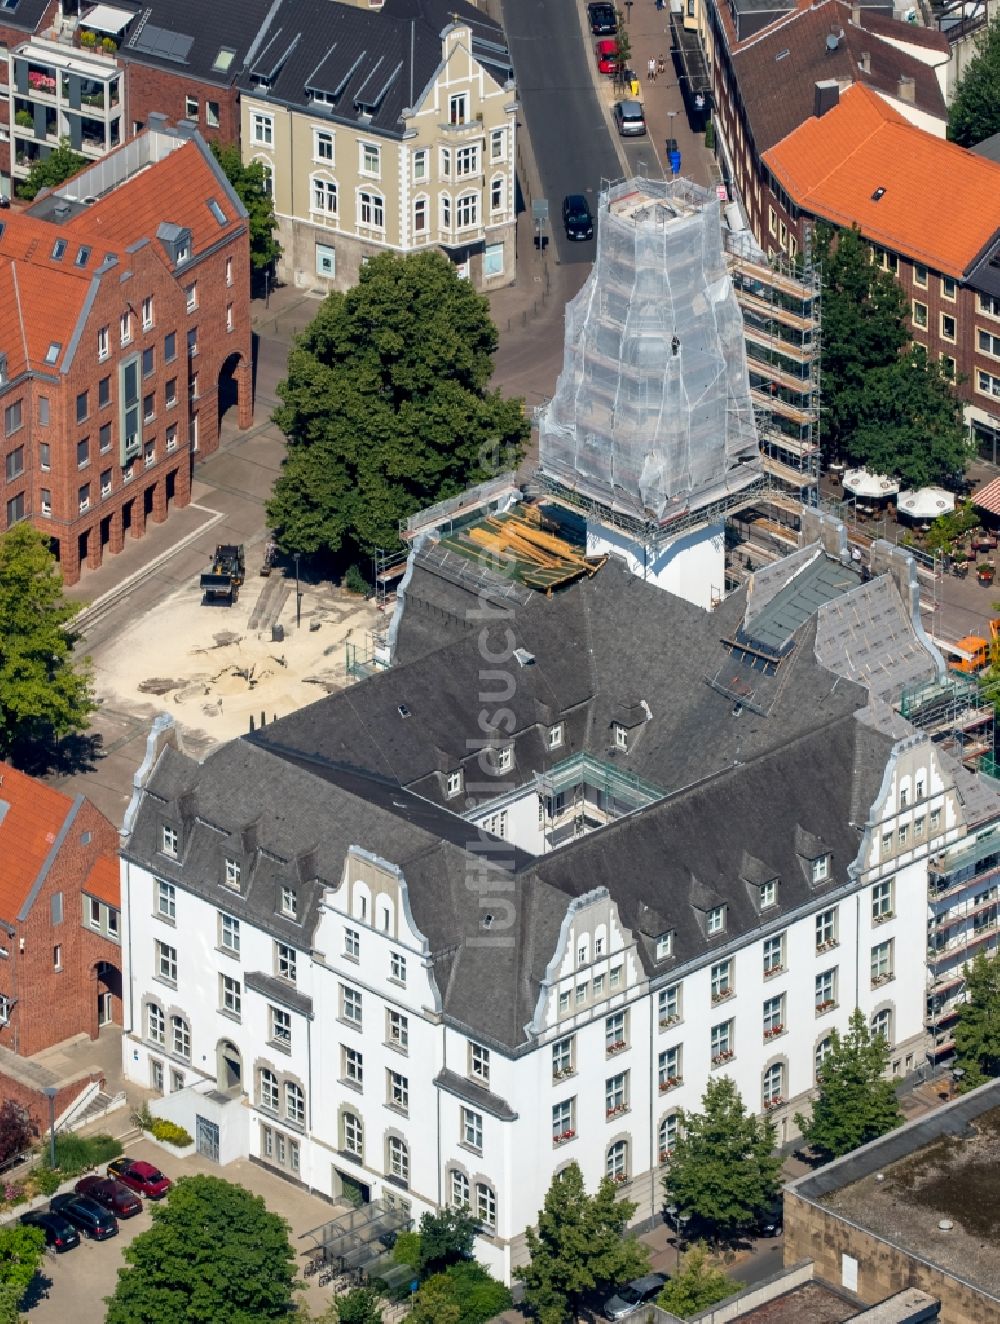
[(569, 134)]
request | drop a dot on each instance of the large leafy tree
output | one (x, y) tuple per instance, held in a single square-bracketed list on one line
[(977, 1032), (386, 408), (723, 1170), (250, 185), (44, 695), (52, 170), (21, 1252), (214, 1252), (445, 1238), (465, 1291), (580, 1248), (975, 111), (856, 1103), (696, 1286)]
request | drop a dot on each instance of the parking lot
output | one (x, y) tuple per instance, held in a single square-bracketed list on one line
[(78, 1281)]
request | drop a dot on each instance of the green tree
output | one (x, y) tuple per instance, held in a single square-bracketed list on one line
[(359, 1307), (21, 1252), (909, 422), (44, 695), (214, 1252), (445, 1238), (697, 1285), (856, 1103), (250, 185), (977, 1031), (466, 1291), (723, 1170), (580, 1248), (52, 170), (434, 1304), (386, 408), (975, 111)]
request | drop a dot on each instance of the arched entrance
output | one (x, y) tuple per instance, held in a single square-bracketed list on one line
[(109, 993), (235, 388), (229, 1067)]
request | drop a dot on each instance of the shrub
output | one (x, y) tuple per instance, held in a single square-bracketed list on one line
[(710, 136), (76, 1154), (88, 38), (16, 1131), (170, 1133), (48, 1180), (354, 580), (407, 1249), (109, 44), (24, 118)]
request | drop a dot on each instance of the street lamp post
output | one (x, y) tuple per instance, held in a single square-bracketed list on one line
[(50, 1093), (298, 595), (678, 1220)]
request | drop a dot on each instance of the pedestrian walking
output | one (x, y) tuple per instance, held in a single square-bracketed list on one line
[(651, 69), (661, 65)]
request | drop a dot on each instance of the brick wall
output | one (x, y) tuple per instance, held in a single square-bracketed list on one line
[(148, 89), (51, 1005), (34, 1101), (812, 1232)]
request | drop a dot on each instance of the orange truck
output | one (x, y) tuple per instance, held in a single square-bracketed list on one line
[(974, 654)]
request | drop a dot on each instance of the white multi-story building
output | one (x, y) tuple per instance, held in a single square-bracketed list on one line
[(332, 968)]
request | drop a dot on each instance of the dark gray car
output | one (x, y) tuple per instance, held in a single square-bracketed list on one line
[(630, 119), (634, 1295)]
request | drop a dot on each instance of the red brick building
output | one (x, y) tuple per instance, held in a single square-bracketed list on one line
[(930, 211), (60, 950), (124, 334)]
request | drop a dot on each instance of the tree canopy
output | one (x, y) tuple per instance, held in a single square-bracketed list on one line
[(445, 1238), (723, 1170), (52, 170), (21, 1252), (885, 404), (214, 1252), (856, 1102), (44, 694), (975, 111), (387, 410), (250, 185), (697, 1285), (465, 1290), (977, 1031), (358, 1307), (580, 1248)]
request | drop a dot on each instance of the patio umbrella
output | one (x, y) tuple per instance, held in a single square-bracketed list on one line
[(928, 503), (869, 487)]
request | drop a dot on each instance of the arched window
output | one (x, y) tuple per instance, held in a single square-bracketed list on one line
[(667, 1136), (180, 1037), (371, 210), (267, 1089), (323, 195), (156, 1026), (459, 1189), (353, 1138), (295, 1103), (486, 1205), (616, 1165), (399, 1160), (882, 1024), (774, 1085), (823, 1050)]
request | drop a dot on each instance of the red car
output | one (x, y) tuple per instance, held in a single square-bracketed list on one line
[(607, 55), (142, 1177), (111, 1194)]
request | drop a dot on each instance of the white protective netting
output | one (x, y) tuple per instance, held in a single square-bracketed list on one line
[(653, 403)]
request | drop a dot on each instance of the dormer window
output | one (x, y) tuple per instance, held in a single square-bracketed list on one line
[(453, 786), (769, 894), (621, 736), (664, 946), (503, 758), (555, 736), (233, 872), (168, 842), (716, 920), (289, 902), (820, 868)]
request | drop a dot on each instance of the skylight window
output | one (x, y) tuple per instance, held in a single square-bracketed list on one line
[(879, 194), (217, 211), (58, 248), (223, 60), (52, 353), (82, 256)]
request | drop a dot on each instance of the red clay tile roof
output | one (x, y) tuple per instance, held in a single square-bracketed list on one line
[(941, 205), (777, 69), (104, 881), (29, 826), (988, 497)]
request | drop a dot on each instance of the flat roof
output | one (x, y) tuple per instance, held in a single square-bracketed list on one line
[(814, 1302)]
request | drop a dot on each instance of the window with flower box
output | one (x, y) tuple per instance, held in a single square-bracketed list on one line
[(774, 1016), (881, 963), (670, 1072), (562, 1057), (666, 1136), (882, 902), (616, 1164), (669, 1007), (722, 1043), (773, 1086), (616, 1094), (826, 930), (826, 991), (615, 1032), (563, 1121), (774, 955), (722, 980)]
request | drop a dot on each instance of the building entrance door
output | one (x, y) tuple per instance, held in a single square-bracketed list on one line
[(207, 1138)]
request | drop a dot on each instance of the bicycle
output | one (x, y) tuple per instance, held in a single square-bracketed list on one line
[(313, 1266)]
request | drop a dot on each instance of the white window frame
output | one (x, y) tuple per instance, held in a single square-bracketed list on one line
[(374, 204), (323, 138), (261, 128), (369, 160), (322, 192)]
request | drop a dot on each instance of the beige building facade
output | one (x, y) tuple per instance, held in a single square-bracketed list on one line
[(395, 161)]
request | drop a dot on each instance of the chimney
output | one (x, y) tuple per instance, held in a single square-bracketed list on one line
[(907, 89), (856, 14), (865, 62), (827, 96)]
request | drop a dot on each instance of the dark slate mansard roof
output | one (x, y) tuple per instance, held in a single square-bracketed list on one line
[(748, 791)]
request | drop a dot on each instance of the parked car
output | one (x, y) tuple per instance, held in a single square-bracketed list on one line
[(630, 119), (89, 1217), (603, 19), (577, 218), (141, 1177), (633, 1296), (607, 55), (771, 1222), (60, 1233), (628, 1300), (113, 1195)]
